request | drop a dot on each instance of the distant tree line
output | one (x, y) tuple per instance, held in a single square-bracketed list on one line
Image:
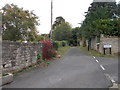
[(62, 31), (101, 18)]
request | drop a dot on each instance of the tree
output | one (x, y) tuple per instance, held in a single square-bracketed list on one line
[(40, 37), (118, 8), (97, 11), (18, 24), (108, 27), (62, 31), (75, 35), (58, 21)]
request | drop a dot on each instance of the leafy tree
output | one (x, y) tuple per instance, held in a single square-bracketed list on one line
[(110, 6), (108, 27), (62, 31), (18, 24), (39, 38), (118, 8), (75, 35), (58, 21), (96, 12)]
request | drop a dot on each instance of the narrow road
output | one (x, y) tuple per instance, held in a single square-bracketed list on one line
[(110, 67), (75, 70)]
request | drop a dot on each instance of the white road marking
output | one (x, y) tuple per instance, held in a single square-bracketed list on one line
[(102, 67), (97, 61), (110, 78), (94, 57), (113, 80)]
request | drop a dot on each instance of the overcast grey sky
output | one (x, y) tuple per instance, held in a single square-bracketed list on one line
[(71, 10)]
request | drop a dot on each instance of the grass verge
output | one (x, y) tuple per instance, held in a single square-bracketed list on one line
[(62, 50), (95, 53)]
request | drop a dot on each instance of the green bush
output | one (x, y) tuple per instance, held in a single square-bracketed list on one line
[(63, 43), (38, 56), (55, 45)]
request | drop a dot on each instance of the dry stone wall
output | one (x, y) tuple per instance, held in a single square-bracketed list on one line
[(104, 40), (18, 55), (113, 41)]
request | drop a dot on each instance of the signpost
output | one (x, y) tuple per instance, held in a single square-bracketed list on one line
[(107, 46), (97, 45)]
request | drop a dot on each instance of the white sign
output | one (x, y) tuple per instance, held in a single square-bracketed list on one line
[(25, 41), (97, 43), (107, 46)]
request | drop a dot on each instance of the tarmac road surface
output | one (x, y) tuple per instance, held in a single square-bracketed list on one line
[(75, 70)]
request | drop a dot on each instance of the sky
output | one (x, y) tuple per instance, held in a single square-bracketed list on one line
[(71, 10)]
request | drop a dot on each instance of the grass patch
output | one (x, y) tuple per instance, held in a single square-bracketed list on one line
[(62, 50), (95, 53)]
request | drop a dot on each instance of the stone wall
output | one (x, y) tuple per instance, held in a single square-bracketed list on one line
[(18, 55), (109, 41), (106, 41), (94, 43)]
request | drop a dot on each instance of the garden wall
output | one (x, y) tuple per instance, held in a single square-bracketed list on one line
[(104, 40), (113, 41), (94, 43), (18, 55)]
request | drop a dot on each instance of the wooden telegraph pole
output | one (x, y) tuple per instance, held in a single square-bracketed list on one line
[(51, 19)]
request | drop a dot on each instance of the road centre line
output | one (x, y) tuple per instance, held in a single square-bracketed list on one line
[(97, 61), (94, 57), (102, 67), (113, 80), (110, 78)]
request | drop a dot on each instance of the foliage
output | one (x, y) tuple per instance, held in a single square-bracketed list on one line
[(62, 32), (18, 24), (52, 53), (63, 43), (40, 37), (38, 56), (75, 35), (96, 12), (55, 45), (118, 8), (59, 20), (5, 74), (47, 52), (108, 27)]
